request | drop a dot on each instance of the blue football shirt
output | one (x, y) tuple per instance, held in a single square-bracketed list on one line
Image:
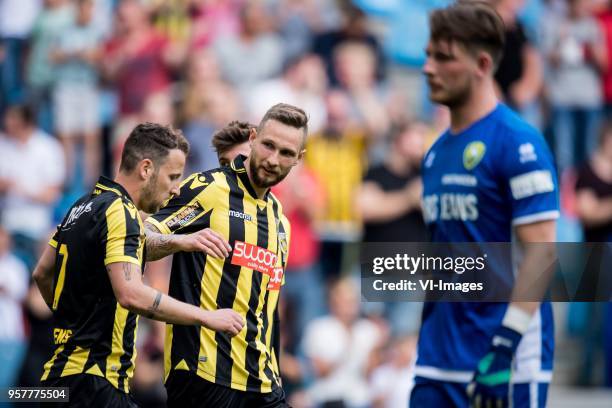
[(477, 185)]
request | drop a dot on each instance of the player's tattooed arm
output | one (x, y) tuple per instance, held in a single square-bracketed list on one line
[(133, 295), (206, 240), (159, 245), (127, 271), (155, 306)]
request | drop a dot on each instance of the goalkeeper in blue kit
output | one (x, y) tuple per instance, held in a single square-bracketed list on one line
[(489, 178)]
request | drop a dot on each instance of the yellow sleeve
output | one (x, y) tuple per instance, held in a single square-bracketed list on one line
[(124, 240)]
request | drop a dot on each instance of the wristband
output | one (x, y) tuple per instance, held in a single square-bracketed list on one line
[(516, 319)]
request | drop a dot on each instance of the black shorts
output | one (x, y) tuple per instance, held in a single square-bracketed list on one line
[(186, 389), (89, 391)]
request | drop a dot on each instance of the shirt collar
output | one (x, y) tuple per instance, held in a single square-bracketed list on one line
[(107, 184)]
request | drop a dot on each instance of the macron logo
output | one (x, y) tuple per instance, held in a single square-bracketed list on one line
[(240, 215)]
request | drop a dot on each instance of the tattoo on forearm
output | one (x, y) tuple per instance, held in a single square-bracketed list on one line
[(155, 305), (127, 271), (158, 245)]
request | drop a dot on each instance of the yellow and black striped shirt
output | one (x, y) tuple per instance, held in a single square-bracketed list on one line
[(340, 163), (248, 280), (93, 334)]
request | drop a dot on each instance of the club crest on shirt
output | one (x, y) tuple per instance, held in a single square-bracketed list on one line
[(473, 154), (282, 242)]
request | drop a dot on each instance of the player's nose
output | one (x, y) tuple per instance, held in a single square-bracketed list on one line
[(272, 159), (428, 69)]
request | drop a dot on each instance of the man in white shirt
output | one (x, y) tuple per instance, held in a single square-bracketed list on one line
[(13, 288), (16, 21), (32, 172), (338, 347)]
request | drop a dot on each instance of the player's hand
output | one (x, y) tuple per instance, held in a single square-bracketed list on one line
[(224, 320), (207, 241), (490, 386)]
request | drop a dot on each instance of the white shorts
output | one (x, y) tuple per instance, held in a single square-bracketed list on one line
[(76, 109)]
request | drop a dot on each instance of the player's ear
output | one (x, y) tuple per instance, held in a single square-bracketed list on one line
[(146, 168), (252, 135), (301, 155), (485, 63)]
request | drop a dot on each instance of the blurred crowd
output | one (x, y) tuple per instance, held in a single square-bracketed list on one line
[(77, 75)]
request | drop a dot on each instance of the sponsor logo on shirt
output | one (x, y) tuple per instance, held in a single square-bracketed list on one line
[(450, 207), (527, 153), (185, 216), (61, 336), (259, 259), (531, 183), (465, 180), (242, 216), (276, 279), (75, 213), (254, 257)]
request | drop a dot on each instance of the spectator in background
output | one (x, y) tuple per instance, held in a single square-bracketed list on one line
[(54, 19), (605, 19), (392, 382), (594, 191), (389, 200), (137, 59), (355, 67), (208, 104), (354, 29), (405, 42), (389, 203), (339, 348), (172, 19), (157, 108), (213, 19), (300, 20), (255, 53), (519, 73), (202, 72), (76, 91), (594, 209), (14, 278), (337, 157), (32, 171), (40, 345), (303, 201), (303, 84), (16, 20), (574, 51)]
